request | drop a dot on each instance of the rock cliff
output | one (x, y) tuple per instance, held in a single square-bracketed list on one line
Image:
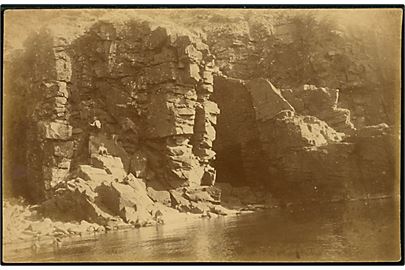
[(310, 148), (149, 90), (130, 122)]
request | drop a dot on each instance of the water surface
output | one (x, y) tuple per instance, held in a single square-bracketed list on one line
[(350, 231)]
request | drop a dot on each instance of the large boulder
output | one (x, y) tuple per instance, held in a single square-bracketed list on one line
[(158, 192), (267, 99), (113, 148), (203, 194), (338, 118), (134, 182), (81, 186), (321, 102), (289, 131), (72, 195), (179, 202), (162, 196), (94, 176), (112, 165), (130, 203)]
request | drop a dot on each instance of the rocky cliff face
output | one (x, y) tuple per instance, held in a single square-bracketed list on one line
[(131, 120), (155, 87), (49, 136), (149, 89), (298, 49), (323, 103), (299, 153)]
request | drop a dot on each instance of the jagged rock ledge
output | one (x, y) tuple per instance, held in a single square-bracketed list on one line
[(78, 211)]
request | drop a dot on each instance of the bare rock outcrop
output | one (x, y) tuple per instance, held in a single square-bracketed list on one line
[(133, 122), (142, 93), (156, 86), (267, 99), (301, 150), (50, 135), (321, 102)]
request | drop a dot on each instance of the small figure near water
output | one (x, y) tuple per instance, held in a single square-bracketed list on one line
[(158, 217), (336, 99), (102, 150), (96, 123)]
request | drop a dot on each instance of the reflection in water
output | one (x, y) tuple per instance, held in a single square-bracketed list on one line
[(361, 231)]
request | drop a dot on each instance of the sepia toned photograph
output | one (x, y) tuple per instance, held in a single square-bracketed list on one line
[(222, 135)]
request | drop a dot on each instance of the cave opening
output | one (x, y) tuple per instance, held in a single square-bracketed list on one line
[(239, 157), (229, 165)]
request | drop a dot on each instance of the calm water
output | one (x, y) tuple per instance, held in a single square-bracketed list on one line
[(331, 232)]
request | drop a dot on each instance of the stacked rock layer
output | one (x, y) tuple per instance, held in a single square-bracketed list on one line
[(150, 91), (50, 134)]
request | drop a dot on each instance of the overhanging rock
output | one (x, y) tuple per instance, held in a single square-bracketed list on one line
[(267, 99)]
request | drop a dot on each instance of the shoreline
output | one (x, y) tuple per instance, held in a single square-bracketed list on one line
[(88, 234)]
